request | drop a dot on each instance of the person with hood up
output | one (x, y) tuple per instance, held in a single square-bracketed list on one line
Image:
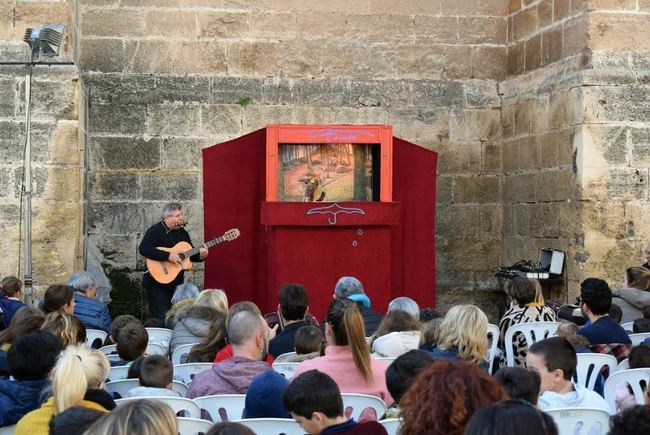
[(192, 325), (635, 294)]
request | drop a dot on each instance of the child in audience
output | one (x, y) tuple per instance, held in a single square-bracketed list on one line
[(141, 417), (156, 375), (74, 421), (30, 359), (401, 373), (229, 428), (519, 383), (555, 361), (264, 396), (11, 299), (118, 323), (639, 358), (68, 329), (308, 343), (633, 421), (510, 417), (131, 343), (315, 402), (58, 298), (26, 319)]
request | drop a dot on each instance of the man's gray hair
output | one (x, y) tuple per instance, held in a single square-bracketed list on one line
[(404, 303), (348, 286), (244, 325), (81, 281), (170, 208), (185, 291)]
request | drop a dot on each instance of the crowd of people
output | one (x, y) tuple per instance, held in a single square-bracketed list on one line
[(432, 371)]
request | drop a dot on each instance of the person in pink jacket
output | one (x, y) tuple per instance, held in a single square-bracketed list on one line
[(347, 355)]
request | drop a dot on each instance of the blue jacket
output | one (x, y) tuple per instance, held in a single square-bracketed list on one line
[(9, 308), (452, 355), (17, 398), (93, 313)]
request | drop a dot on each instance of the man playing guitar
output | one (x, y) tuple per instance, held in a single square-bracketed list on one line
[(166, 234)]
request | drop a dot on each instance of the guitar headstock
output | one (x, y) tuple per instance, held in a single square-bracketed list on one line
[(231, 234)]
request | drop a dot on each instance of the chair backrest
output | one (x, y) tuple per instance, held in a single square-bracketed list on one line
[(180, 352), (185, 372), (493, 340), (590, 365), (193, 426), (633, 377), (533, 332), (285, 368), (180, 387), (580, 421), (160, 336), (285, 357), (391, 425), (387, 359), (177, 404), (354, 404), (623, 365), (107, 350), (638, 338), (95, 334), (122, 386), (223, 407), (156, 349), (628, 326), (118, 373), (273, 426), (8, 430)]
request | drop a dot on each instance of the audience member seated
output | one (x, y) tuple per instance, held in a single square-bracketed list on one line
[(26, 319), (156, 375), (430, 334), (66, 327), (347, 357), (519, 383), (615, 313), (92, 312), (207, 350), (58, 298), (397, 333), (184, 295), (635, 294), (31, 358), (134, 369), (404, 303), (77, 380), (401, 373), (444, 396), (229, 428), (249, 336), (118, 323), (264, 396), (215, 298), (523, 309), (510, 417), (308, 343), (646, 254), (11, 298), (192, 324), (640, 326), (555, 361), (639, 358), (74, 421), (131, 343), (141, 417), (463, 336), (348, 287), (226, 352), (632, 421), (294, 304), (569, 330), (595, 301), (314, 401)]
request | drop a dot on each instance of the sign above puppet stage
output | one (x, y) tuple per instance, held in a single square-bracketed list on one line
[(317, 202)]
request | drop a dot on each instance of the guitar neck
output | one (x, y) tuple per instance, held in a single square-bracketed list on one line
[(209, 244)]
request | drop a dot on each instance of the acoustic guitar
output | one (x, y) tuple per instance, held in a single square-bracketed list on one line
[(165, 272)]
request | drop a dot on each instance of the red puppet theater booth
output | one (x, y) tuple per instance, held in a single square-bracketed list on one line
[(314, 203)]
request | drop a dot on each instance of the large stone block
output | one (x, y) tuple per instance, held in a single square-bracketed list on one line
[(421, 124), (238, 90), (516, 58), (297, 58), (181, 88), (628, 183), (172, 24), (482, 30), (117, 252), (317, 24), (436, 29), (415, 61), (458, 61), (104, 55), (249, 58), (574, 36), (404, 7), (460, 158), (184, 153), (491, 221), (54, 99), (489, 62), (113, 186), (481, 93), (256, 117), (117, 118), (496, 8), (524, 115), (363, 115), (174, 119), (617, 103), (491, 157), (118, 22), (8, 97), (127, 89), (551, 46), (545, 13), (640, 144), (525, 23), (158, 186), (618, 32), (464, 221), (124, 153), (468, 125), (533, 56), (221, 119), (346, 59), (636, 216), (477, 189), (379, 28), (126, 218), (233, 25)]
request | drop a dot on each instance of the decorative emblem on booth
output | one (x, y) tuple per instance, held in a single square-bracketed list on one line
[(334, 210), (332, 135)]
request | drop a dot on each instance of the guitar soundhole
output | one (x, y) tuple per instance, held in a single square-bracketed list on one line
[(182, 256)]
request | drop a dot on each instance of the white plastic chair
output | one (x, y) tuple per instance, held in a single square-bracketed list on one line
[(533, 332), (110, 349), (160, 336), (623, 365), (181, 351), (391, 425), (223, 407), (185, 372), (118, 373), (272, 426), (387, 359), (94, 334), (156, 349), (122, 386), (285, 357), (8, 430), (597, 361), (354, 404), (628, 326), (285, 368), (192, 426), (633, 377), (638, 338), (493, 340), (177, 404), (580, 421)]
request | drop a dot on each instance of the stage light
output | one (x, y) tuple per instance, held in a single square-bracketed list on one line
[(45, 40)]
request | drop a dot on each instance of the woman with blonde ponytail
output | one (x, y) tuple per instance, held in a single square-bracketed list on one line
[(347, 355), (77, 380)]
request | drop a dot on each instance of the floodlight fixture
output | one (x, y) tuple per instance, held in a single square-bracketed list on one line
[(45, 40)]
